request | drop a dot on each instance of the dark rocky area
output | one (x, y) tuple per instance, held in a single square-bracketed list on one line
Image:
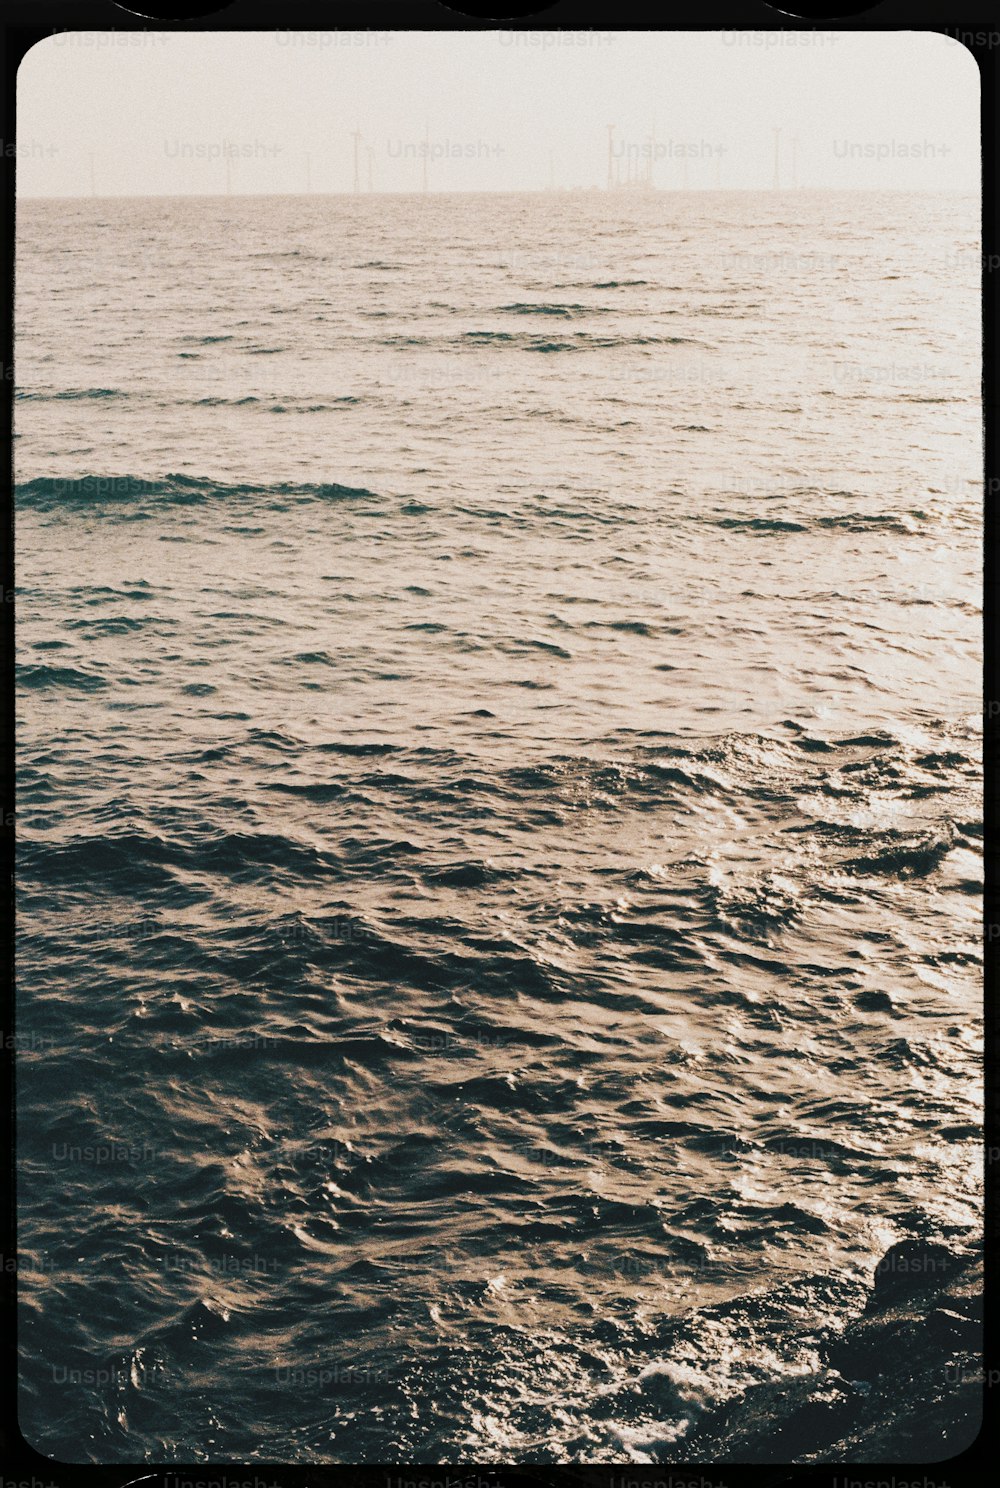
[(902, 1382)]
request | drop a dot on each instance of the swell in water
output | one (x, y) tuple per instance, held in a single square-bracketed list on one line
[(499, 876)]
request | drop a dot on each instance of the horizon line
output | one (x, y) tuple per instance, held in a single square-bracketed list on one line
[(504, 191)]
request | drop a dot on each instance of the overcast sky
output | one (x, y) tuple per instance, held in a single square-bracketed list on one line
[(160, 113)]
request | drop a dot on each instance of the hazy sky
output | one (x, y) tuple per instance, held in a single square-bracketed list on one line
[(154, 113)]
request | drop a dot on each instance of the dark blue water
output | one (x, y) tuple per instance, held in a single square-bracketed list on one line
[(500, 833)]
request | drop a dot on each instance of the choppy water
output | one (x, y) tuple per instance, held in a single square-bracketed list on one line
[(499, 855)]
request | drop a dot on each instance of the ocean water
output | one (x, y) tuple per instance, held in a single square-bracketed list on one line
[(499, 809)]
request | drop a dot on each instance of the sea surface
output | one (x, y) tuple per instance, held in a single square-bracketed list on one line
[(499, 808)]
